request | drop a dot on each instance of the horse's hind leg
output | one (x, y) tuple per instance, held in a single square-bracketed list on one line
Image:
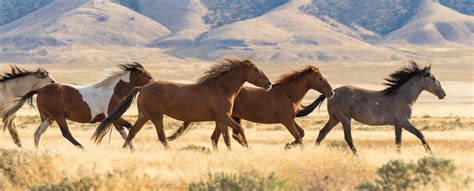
[(235, 132), (45, 122), (142, 119), (66, 133), (158, 122), (398, 137), (13, 132), (412, 129), (120, 124), (346, 124), (225, 133), (215, 137), (326, 129)]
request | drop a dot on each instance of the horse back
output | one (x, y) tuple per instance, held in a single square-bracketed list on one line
[(59, 99)]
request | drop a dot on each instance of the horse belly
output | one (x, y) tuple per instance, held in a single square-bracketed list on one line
[(189, 110)]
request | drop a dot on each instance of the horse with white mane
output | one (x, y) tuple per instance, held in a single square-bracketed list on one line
[(84, 104), (16, 83)]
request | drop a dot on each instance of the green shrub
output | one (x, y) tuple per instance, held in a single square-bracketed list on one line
[(115, 180), (426, 172), (238, 182)]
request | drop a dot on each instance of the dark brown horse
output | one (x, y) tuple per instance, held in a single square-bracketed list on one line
[(211, 99), (391, 106), (275, 106), (84, 104)]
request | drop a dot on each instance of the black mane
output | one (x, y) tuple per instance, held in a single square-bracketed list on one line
[(17, 72), (131, 67), (400, 77)]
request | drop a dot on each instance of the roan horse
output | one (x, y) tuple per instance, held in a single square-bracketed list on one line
[(391, 106), (84, 104), (17, 83), (278, 105), (211, 99)]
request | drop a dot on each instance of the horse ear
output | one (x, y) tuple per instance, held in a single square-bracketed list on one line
[(427, 71)]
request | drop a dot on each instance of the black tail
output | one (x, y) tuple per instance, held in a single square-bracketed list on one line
[(181, 131), (306, 110), (105, 125), (11, 110)]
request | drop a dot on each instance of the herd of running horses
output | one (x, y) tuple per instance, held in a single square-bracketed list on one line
[(219, 95)]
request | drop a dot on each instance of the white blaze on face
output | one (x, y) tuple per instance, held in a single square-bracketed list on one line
[(98, 98)]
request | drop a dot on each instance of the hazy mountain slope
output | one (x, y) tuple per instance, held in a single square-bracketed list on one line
[(435, 24), (90, 24), (226, 12), (463, 6), (379, 16), (283, 33), (11, 10)]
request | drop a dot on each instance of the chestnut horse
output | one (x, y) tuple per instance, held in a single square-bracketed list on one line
[(17, 83), (84, 104), (211, 99), (391, 106), (275, 106)]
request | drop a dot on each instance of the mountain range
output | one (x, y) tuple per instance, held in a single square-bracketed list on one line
[(211, 29)]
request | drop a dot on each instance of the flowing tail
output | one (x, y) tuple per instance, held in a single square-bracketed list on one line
[(306, 110), (105, 126), (11, 110), (181, 131)]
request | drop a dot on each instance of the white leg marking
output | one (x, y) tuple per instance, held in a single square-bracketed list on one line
[(41, 129), (124, 134)]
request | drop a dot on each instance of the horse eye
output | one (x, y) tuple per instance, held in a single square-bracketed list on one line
[(320, 78)]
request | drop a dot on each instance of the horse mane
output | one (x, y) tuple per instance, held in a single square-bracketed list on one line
[(401, 76), (17, 72), (223, 67), (295, 75), (124, 68)]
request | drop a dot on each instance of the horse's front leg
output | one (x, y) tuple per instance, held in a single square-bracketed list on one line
[(407, 125), (290, 124), (228, 121)]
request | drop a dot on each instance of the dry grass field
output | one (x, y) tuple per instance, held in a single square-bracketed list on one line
[(58, 164)]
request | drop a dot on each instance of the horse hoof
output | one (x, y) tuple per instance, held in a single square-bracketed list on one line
[(289, 146)]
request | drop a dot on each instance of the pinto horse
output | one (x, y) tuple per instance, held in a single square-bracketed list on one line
[(17, 83), (211, 99), (278, 105), (391, 106), (84, 104)]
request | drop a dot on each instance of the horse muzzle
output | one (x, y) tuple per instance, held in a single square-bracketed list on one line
[(330, 95), (267, 86), (442, 96)]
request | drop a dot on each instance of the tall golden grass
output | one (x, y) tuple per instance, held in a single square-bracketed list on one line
[(331, 166)]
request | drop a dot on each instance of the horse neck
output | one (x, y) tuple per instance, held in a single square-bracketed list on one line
[(411, 90), (296, 89), (20, 86), (230, 83)]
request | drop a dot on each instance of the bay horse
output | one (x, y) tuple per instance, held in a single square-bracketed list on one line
[(278, 105), (390, 106), (84, 104), (16, 83), (210, 99)]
